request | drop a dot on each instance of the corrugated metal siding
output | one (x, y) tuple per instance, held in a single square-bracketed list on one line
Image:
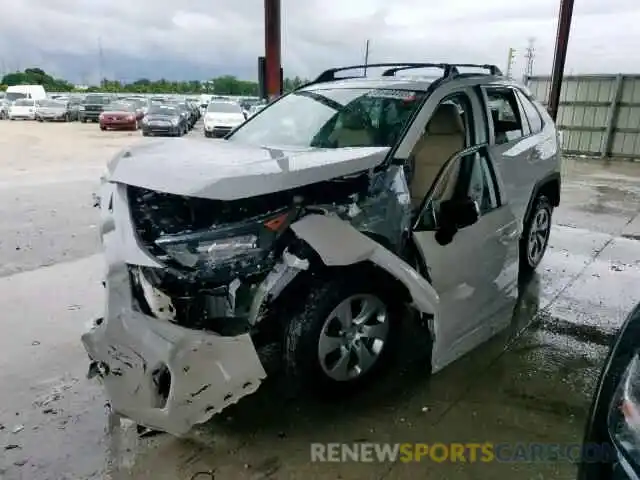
[(588, 104)]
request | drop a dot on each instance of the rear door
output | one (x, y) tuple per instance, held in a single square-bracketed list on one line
[(511, 145)]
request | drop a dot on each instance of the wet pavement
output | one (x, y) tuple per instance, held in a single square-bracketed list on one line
[(531, 385)]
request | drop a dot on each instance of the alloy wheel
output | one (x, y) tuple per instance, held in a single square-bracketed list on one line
[(353, 337)]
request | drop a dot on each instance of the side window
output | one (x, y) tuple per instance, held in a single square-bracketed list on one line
[(505, 115), (481, 184), (468, 176), (532, 113)]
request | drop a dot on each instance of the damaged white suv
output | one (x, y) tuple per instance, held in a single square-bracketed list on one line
[(315, 226)]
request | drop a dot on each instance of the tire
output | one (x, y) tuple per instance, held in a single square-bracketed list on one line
[(535, 236), (83, 120), (103, 128), (311, 369), (145, 133)]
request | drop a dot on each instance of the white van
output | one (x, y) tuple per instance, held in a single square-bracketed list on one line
[(35, 92)]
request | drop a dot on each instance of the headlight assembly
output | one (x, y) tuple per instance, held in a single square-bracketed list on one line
[(239, 247), (174, 122)]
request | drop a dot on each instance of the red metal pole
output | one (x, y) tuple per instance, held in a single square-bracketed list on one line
[(272, 47), (559, 56)]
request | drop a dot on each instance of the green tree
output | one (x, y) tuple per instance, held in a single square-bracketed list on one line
[(223, 85)]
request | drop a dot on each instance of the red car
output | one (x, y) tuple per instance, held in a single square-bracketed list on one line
[(120, 115)]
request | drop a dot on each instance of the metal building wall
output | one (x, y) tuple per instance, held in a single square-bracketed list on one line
[(598, 114)]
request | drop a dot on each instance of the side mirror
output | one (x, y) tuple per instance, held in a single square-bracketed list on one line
[(454, 215)]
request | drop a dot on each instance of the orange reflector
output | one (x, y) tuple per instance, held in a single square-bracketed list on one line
[(275, 223)]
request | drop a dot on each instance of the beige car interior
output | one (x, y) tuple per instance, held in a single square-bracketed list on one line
[(354, 130), (444, 136)]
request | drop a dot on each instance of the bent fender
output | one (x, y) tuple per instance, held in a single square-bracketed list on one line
[(338, 243)]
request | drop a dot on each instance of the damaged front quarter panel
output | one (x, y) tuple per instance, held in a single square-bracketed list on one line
[(338, 243)]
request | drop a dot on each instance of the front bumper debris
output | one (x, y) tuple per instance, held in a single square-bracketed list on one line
[(167, 377), (159, 374)]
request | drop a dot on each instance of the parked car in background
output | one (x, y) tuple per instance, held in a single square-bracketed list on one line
[(34, 92), (120, 116), (221, 117), (23, 109), (185, 111), (4, 108), (253, 109), (164, 120), (74, 107), (52, 110), (92, 106)]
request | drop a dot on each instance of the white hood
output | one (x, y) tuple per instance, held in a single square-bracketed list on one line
[(225, 170)]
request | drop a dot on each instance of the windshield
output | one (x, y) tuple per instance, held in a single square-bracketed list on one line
[(119, 107), (162, 110), (24, 102), (12, 96), (332, 118), (50, 103), (97, 99), (224, 107)]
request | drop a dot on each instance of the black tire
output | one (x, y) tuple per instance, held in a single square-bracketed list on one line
[(83, 120), (529, 261), (103, 128), (145, 133), (307, 319)]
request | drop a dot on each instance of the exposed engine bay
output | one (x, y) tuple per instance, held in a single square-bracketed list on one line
[(218, 253)]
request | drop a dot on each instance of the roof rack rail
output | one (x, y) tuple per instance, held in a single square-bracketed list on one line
[(330, 74), (450, 69)]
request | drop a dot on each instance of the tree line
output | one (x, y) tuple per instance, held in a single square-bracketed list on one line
[(223, 85)]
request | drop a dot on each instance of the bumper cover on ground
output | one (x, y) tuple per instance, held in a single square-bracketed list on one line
[(206, 372)]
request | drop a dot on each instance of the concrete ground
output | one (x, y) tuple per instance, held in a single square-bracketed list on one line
[(531, 387)]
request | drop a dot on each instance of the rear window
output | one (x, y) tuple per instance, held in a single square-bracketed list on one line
[(224, 107)]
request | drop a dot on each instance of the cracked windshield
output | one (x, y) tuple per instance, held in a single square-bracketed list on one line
[(270, 239)]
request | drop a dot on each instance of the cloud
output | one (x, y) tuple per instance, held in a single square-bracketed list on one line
[(201, 38)]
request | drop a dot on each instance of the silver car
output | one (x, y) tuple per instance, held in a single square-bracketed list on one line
[(311, 230), (53, 111)]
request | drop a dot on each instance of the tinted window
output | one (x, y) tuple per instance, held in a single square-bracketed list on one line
[(503, 107), (332, 118), (24, 103), (120, 107), (532, 113), (224, 107), (12, 96), (162, 110), (97, 99)]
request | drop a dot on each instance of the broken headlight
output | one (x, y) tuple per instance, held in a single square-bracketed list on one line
[(242, 245)]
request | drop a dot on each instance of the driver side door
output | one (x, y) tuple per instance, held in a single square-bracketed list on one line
[(475, 271)]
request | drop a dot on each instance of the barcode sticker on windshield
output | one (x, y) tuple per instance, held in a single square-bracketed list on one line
[(405, 95)]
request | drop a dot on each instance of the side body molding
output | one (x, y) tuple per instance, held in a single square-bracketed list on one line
[(338, 243)]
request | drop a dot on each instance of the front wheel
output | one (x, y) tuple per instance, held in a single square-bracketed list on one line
[(342, 333), (535, 237)]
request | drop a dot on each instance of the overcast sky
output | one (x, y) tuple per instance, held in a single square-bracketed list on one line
[(204, 38)]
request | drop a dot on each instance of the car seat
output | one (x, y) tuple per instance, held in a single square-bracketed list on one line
[(353, 130), (443, 137)]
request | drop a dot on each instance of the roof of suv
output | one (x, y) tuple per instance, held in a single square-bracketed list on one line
[(389, 80)]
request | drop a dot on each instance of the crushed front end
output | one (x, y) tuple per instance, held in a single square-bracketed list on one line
[(191, 284)]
